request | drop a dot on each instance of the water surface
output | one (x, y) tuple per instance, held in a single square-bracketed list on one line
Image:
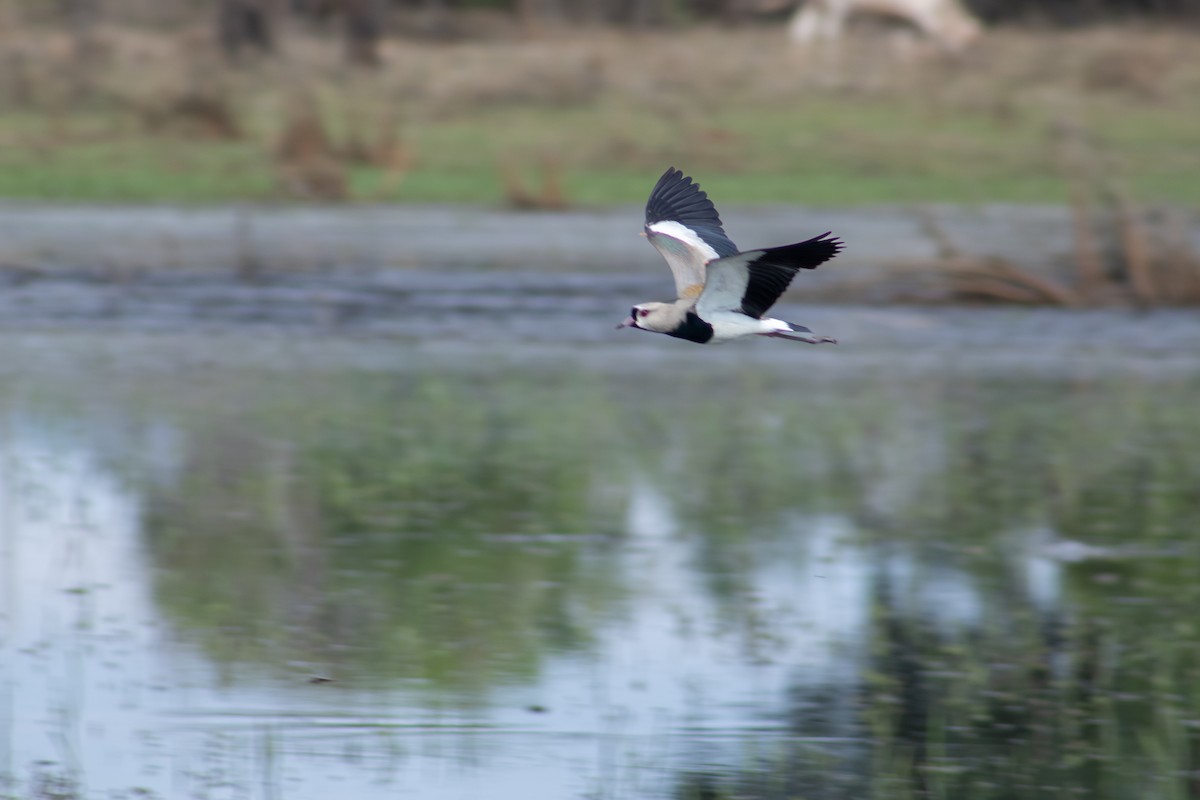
[(954, 557)]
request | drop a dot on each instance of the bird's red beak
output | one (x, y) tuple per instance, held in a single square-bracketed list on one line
[(628, 322)]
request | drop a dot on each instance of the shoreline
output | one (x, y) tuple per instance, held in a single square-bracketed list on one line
[(322, 267)]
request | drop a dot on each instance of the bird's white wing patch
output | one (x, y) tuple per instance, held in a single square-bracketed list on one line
[(685, 252), (726, 284)]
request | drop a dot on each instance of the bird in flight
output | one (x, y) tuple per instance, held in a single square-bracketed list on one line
[(723, 292)]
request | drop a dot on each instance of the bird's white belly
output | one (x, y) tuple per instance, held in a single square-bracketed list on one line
[(729, 325)]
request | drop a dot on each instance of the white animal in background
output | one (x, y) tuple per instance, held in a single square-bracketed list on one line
[(724, 293), (947, 22)]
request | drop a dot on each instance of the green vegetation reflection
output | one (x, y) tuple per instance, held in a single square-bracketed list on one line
[(985, 675), (428, 528), (1032, 572), (428, 525)]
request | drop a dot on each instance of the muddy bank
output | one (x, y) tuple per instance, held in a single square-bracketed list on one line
[(260, 238), (344, 298), (158, 267), (194, 319)]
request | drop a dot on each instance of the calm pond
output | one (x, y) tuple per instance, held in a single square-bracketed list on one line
[(957, 556)]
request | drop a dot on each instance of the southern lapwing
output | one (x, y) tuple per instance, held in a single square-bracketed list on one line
[(723, 293)]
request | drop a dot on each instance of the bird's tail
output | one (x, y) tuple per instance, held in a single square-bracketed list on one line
[(799, 333)]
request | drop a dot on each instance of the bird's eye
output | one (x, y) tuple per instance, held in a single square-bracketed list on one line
[(643, 312)]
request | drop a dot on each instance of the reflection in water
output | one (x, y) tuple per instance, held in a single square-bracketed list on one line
[(534, 583), (77, 622)]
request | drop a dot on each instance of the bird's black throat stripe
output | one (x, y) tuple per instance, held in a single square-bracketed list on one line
[(693, 329)]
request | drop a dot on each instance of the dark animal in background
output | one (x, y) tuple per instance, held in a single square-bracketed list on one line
[(245, 25), (249, 25), (361, 22)]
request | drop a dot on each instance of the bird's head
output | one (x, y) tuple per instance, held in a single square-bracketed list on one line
[(655, 317)]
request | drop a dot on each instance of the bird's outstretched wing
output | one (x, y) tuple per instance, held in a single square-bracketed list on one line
[(683, 224), (751, 282)]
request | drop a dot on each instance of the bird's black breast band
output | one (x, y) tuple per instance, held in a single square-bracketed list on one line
[(693, 329)]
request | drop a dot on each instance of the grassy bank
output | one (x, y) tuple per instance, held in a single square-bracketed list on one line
[(584, 119)]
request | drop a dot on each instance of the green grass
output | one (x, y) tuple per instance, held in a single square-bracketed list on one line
[(137, 170), (981, 133), (833, 153)]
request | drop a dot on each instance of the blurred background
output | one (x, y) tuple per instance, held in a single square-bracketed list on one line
[(556, 103), (324, 473)]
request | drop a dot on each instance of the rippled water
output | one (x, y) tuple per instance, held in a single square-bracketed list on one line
[(954, 557)]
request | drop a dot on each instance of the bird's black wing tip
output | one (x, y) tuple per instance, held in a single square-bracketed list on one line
[(809, 254), (828, 238), (671, 184), (678, 198), (828, 244)]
